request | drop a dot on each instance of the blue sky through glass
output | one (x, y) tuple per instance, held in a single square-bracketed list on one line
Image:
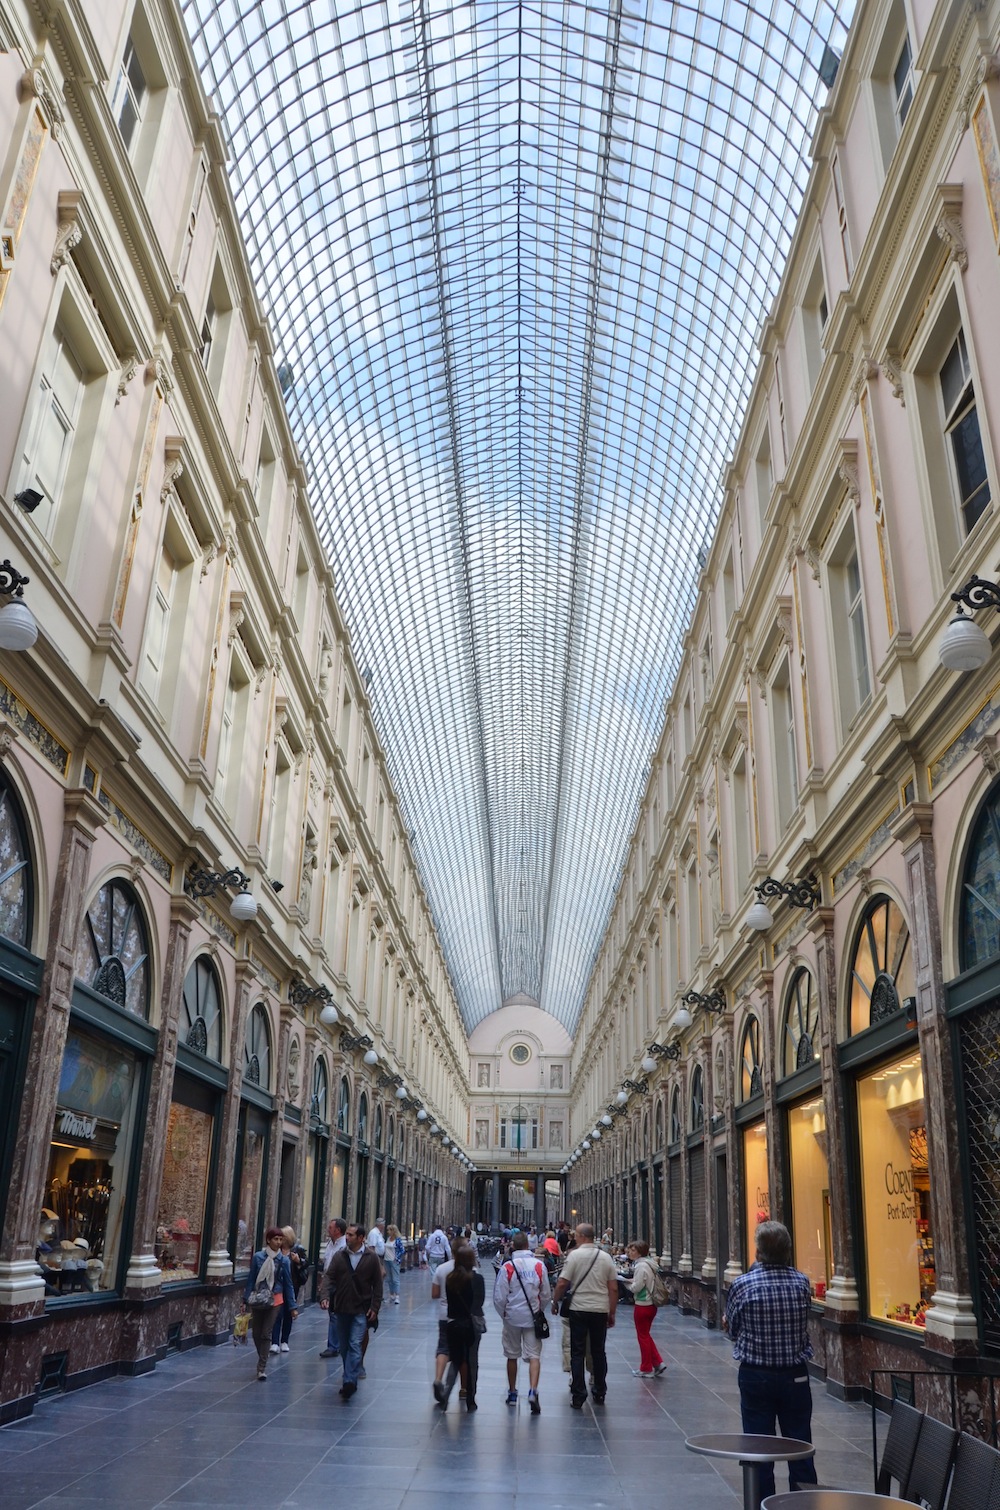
[(516, 257)]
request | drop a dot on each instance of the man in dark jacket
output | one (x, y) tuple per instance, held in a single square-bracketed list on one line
[(355, 1289)]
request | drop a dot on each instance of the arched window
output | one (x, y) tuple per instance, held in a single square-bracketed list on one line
[(402, 1144), (644, 1151), (979, 924), (752, 1081), (378, 1127), (675, 1116), (112, 952), (344, 1107), (658, 1126), (201, 1009), (16, 880), (391, 1139), (257, 1049), (363, 1118), (319, 1100), (697, 1099), (800, 1039), (881, 967)]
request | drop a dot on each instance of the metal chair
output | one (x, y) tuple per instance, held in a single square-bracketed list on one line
[(900, 1447), (932, 1462), (975, 1484)]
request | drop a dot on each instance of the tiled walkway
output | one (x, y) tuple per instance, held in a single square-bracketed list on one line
[(200, 1431)]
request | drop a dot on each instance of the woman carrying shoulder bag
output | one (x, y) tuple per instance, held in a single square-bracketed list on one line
[(651, 1365), (268, 1286)]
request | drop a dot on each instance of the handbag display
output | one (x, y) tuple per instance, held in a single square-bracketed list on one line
[(538, 1318)]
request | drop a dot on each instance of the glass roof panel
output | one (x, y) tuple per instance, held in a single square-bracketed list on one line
[(515, 257)]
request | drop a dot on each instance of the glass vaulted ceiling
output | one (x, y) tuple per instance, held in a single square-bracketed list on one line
[(515, 257)]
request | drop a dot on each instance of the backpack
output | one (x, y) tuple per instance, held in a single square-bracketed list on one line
[(660, 1295)]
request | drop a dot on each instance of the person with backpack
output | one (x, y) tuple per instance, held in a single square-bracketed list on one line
[(649, 1292), (520, 1296)]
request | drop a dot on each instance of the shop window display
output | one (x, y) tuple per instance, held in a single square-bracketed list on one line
[(895, 1188), (810, 1192), (250, 1187), (180, 1222), (112, 952), (752, 1079), (81, 1232), (756, 1186)]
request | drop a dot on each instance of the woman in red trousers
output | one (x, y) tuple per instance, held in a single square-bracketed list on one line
[(651, 1365)]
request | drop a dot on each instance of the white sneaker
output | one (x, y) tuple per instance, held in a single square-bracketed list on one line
[(275, 1348), (284, 1347), (395, 1300)]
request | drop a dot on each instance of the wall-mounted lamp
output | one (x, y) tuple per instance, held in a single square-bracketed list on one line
[(964, 646), (804, 892), (585, 1144), (618, 1106), (302, 995), (710, 1001), (421, 1115), (595, 1132), (349, 1042), (18, 630), (607, 1119), (641, 1086), (385, 1079), (660, 1051), (205, 883), (402, 1094), (370, 1058)]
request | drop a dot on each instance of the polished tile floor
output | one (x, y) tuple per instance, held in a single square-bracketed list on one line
[(199, 1431)]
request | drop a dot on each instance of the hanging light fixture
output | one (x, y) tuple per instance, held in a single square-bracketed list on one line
[(964, 646), (329, 1015), (371, 1057), (205, 883), (401, 1093), (18, 630)]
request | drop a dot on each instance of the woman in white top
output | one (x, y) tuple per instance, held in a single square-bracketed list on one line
[(651, 1365)]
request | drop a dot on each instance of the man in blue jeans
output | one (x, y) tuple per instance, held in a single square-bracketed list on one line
[(355, 1298), (767, 1316)]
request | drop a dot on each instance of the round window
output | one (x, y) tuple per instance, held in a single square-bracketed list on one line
[(520, 1053)]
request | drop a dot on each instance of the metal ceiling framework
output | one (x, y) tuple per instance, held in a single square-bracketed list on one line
[(515, 257)]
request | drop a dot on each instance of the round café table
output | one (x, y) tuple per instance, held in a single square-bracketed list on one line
[(752, 1451), (833, 1499)]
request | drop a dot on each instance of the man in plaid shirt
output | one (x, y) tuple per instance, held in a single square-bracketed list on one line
[(767, 1316)]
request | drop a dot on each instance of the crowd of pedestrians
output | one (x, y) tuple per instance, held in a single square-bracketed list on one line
[(561, 1269)]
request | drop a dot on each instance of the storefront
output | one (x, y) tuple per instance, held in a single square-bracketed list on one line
[(753, 1139), (675, 1209), (185, 1215), (341, 1151), (800, 1098), (20, 973), (253, 1141), (882, 1060), (314, 1214), (697, 1193)]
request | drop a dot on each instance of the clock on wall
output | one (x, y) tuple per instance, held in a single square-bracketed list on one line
[(520, 1053)]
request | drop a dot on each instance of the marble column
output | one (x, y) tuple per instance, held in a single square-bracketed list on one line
[(842, 1310), (684, 1264), (773, 1121), (21, 1286), (709, 1267), (495, 1213), (734, 1265), (951, 1323)]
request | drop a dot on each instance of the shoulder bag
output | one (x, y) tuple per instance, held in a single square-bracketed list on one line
[(538, 1317), (565, 1304)]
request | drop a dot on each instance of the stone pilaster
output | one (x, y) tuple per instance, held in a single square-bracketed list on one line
[(709, 1268), (842, 1294), (734, 1265), (683, 1264), (952, 1326)]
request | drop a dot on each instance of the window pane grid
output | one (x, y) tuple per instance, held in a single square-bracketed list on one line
[(515, 258)]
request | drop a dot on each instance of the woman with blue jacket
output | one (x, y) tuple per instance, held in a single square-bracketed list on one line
[(269, 1267)]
